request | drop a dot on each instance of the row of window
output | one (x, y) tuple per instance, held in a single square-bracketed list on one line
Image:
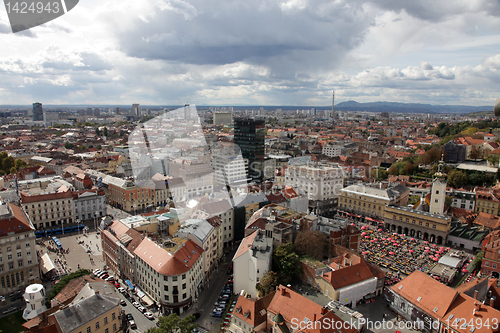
[(45, 204), (98, 325), (487, 264), (413, 221)]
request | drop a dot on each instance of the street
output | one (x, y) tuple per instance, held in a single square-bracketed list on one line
[(142, 322), (210, 294)]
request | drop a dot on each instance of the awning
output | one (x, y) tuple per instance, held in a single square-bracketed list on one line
[(47, 264), (147, 300), (129, 284), (139, 293)]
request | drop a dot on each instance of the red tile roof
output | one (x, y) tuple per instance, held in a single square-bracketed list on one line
[(166, 263), (45, 197), (250, 311), (426, 293), (245, 244), (17, 222), (349, 275)]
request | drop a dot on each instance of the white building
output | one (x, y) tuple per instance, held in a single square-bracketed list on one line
[(225, 212), (34, 296), (251, 262), (89, 204), (172, 279), (229, 170), (321, 183), (332, 150)]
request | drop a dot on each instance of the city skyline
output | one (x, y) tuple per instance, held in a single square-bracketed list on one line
[(256, 53)]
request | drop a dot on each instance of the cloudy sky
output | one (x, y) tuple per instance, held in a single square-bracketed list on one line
[(256, 52)]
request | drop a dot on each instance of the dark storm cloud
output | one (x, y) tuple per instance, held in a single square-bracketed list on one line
[(285, 37)]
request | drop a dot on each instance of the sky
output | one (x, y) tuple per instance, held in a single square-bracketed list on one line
[(256, 52)]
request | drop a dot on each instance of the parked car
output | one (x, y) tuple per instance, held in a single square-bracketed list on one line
[(122, 290), (149, 315), (123, 303), (10, 310), (141, 309), (136, 304), (16, 297), (132, 324), (129, 316)]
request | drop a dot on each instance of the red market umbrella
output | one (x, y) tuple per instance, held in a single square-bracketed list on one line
[(434, 245), (426, 242), (427, 248), (391, 253), (353, 224), (364, 252), (363, 233), (411, 251), (427, 251), (383, 239), (373, 241), (367, 236), (464, 270), (413, 239), (380, 230)]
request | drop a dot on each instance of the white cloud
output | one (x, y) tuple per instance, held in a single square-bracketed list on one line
[(256, 52)]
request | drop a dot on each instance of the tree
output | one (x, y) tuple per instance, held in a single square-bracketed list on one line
[(13, 170), (408, 168), (69, 145), (380, 174), (457, 178), (268, 282), (8, 163), (105, 131), (287, 263), (311, 243), (173, 324), (393, 171), (475, 153), (425, 159), (20, 164), (434, 153), (97, 131)]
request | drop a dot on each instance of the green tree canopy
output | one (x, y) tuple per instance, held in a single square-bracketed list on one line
[(173, 324), (268, 282)]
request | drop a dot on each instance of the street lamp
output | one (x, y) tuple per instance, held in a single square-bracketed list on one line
[(78, 224)]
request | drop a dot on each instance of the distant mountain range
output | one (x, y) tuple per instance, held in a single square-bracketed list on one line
[(394, 107)]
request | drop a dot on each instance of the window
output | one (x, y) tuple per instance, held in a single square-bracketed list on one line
[(183, 286), (166, 297), (433, 226), (184, 296), (113, 316), (494, 266), (114, 327), (19, 254), (486, 263), (105, 320), (97, 325), (89, 329), (419, 222), (165, 288), (106, 331), (174, 278), (427, 224), (183, 276)]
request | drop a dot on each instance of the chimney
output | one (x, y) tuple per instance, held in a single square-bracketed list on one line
[(314, 317), (283, 290), (492, 302), (475, 294), (350, 263), (323, 310), (289, 286)]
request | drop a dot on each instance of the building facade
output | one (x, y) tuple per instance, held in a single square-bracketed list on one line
[(371, 201), (249, 139), (251, 262), (49, 210), (18, 258), (172, 279), (322, 184)]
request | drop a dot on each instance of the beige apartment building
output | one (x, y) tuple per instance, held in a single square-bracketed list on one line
[(18, 259)]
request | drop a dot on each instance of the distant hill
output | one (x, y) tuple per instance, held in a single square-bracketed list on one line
[(394, 107)]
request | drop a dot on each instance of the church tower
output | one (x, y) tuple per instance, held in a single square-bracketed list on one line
[(438, 193)]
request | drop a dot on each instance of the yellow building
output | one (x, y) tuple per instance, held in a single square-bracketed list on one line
[(372, 201), (487, 201)]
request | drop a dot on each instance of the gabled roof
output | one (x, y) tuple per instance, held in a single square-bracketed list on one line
[(349, 275), (488, 220), (462, 307), (426, 293), (251, 311)]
